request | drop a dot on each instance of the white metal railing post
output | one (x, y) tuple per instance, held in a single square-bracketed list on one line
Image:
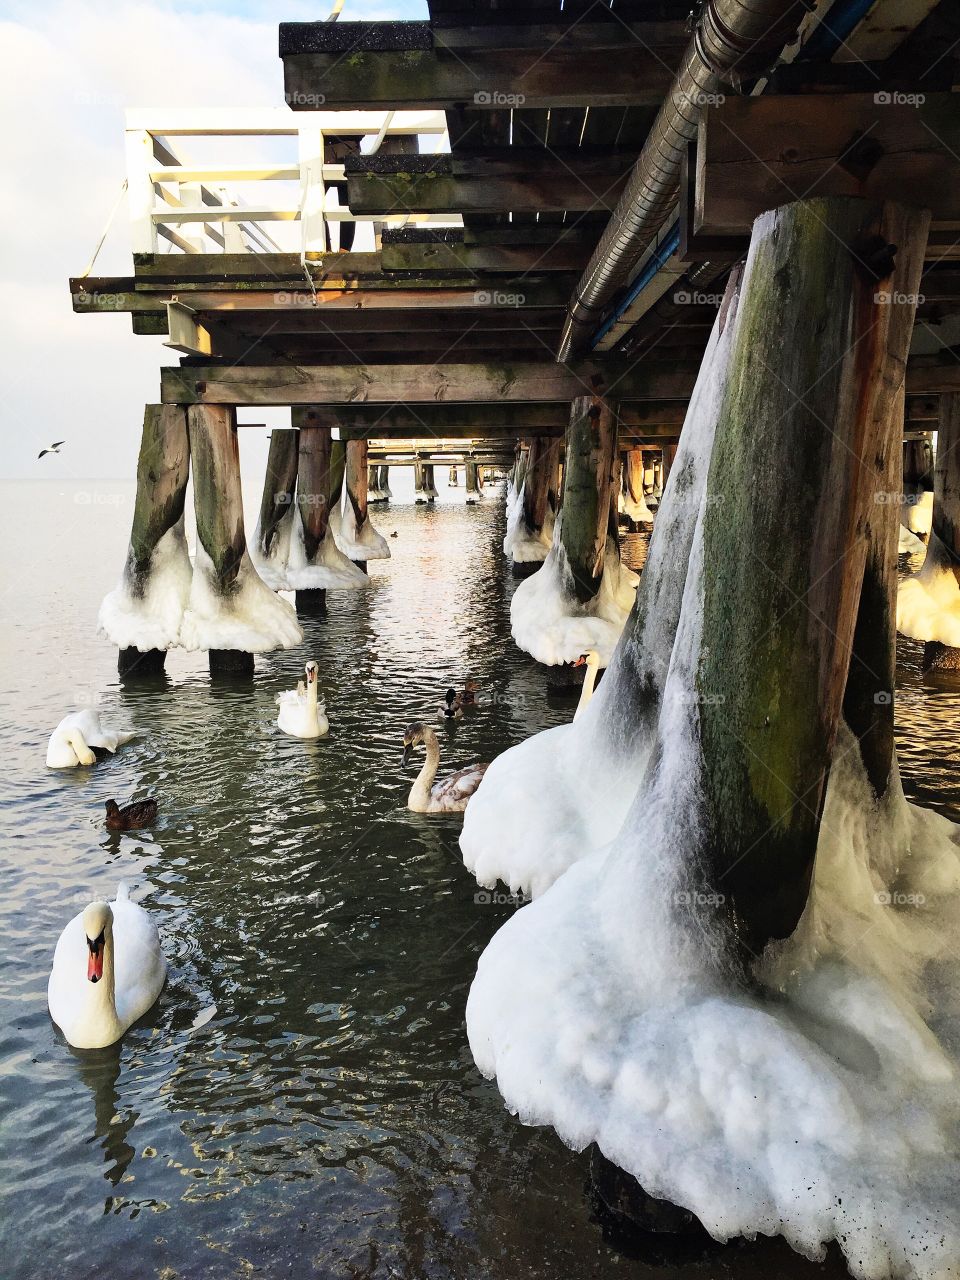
[(143, 231), (312, 189)]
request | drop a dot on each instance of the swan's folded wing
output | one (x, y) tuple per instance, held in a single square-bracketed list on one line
[(462, 783)]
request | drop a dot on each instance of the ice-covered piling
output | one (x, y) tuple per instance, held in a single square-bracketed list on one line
[(271, 540), (473, 482), (928, 607), (580, 596), (424, 487), (231, 611), (142, 615), (633, 504)]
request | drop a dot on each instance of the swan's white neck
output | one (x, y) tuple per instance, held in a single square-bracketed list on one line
[(100, 1019), (589, 680), (420, 791)]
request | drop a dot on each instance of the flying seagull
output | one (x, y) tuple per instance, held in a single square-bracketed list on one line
[(51, 448)]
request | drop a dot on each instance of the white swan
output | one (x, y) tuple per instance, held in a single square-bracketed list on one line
[(302, 712), (78, 736), (108, 970), (591, 660), (449, 795)]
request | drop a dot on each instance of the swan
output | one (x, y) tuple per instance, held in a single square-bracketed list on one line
[(591, 660), (302, 712), (449, 795), (78, 737), (108, 970)]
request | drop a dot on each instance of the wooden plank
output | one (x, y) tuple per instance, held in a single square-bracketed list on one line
[(925, 375), (390, 295), (225, 268), (527, 179), (492, 80), (412, 383), (755, 154)]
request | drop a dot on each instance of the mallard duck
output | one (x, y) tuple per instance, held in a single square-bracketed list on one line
[(451, 707), (449, 795), (142, 813)]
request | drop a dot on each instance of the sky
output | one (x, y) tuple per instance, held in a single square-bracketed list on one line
[(69, 70)]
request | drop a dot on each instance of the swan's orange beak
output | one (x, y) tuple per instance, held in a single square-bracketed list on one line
[(95, 959), (580, 661)]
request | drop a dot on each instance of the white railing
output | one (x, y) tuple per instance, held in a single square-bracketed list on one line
[(196, 208)]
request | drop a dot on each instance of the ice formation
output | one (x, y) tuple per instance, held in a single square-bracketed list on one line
[(363, 543), (909, 544), (250, 616), (145, 611), (549, 623), (916, 511), (928, 602), (287, 568), (519, 543), (819, 1098), (638, 512)]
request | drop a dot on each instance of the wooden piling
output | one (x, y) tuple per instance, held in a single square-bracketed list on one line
[(355, 480), (218, 503), (163, 468), (591, 455), (317, 474), (868, 699), (819, 357), (541, 481), (472, 480), (384, 483), (279, 487), (946, 514)]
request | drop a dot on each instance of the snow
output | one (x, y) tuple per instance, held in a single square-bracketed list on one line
[(272, 567), (549, 623), (928, 602), (356, 544), (146, 613), (251, 617), (818, 1099), (519, 543), (916, 511)]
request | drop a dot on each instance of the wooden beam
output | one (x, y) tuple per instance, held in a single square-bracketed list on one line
[(526, 179), (585, 36), (755, 154), (448, 252), (508, 294), (490, 80), (411, 383)]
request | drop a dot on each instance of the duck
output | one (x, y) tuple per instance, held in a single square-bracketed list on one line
[(142, 813), (469, 696), (590, 660), (80, 739), (108, 969), (302, 711), (449, 795), (451, 707)]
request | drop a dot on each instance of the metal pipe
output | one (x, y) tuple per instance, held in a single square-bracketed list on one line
[(733, 40)]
